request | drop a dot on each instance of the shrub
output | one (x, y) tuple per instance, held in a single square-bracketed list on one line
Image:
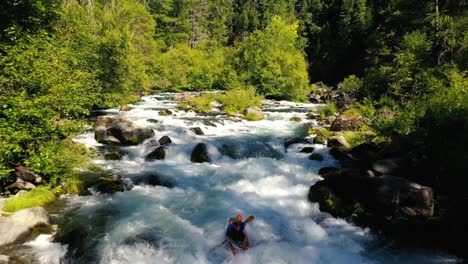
[(253, 117), (237, 100), (351, 85), (39, 196), (328, 110)]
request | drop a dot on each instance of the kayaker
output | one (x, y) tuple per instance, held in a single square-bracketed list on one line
[(236, 234)]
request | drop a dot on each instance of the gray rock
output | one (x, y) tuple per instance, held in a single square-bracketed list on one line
[(388, 166), (338, 141), (347, 123), (165, 140), (157, 154), (197, 131), (316, 156), (200, 154), (120, 130), (4, 258), (18, 227), (21, 185), (307, 150)]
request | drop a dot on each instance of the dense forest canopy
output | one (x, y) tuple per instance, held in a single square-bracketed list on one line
[(60, 59)]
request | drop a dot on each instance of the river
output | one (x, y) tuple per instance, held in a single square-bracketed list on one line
[(251, 173)]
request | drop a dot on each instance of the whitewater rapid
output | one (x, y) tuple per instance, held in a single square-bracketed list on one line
[(182, 223)]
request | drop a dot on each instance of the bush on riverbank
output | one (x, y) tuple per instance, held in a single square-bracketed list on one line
[(233, 101)]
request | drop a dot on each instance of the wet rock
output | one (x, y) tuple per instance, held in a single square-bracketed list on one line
[(316, 156), (327, 172), (197, 131), (113, 156), (254, 111), (110, 184), (319, 140), (295, 140), (157, 154), (307, 150), (200, 154), (295, 119), (165, 140), (152, 120), (165, 112), (125, 108), (18, 227), (120, 130), (338, 154)]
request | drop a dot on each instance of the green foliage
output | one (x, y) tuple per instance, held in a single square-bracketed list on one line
[(39, 196), (56, 159), (203, 103), (356, 138), (237, 100), (351, 85), (184, 68), (328, 110), (271, 61), (352, 112), (233, 101), (253, 117)]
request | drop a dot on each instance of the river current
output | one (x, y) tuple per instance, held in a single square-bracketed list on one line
[(253, 172)]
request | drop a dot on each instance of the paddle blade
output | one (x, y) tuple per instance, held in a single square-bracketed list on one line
[(249, 219)]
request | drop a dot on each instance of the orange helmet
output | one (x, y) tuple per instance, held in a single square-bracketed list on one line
[(239, 218)]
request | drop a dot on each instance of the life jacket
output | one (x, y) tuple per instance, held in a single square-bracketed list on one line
[(237, 236)]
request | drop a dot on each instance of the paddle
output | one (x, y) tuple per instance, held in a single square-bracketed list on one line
[(248, 220)]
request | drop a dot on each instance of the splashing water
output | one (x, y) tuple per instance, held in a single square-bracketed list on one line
[(258, 176)]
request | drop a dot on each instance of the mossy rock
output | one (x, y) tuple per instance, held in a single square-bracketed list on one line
[(165, 140), (39, 196), (125, 108), (316, 156), (165, 112), (254, 117), (152, 120), (295, 119), (319, 140), (110, 184)]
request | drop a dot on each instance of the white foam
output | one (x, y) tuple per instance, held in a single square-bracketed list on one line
[(46, 251), (182, 224)]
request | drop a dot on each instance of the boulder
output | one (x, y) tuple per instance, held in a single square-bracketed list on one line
[(366, 151), (152, 120), (327, 172), (319, 140), (255, 111), (307, 150), (347, 123), (403, 197), (165, 140), (294, 140), (295, 119), (316, 156), (338, 142), (197, 131), (27, 175), (110, 184), (18, 227), (125, 108), (4, 258), (338, 154), (329, 120), (21, 185), (345, 104), (200, 154), (157, 154), (389, 166), (165, 112), (182, 96), (120, 130)]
